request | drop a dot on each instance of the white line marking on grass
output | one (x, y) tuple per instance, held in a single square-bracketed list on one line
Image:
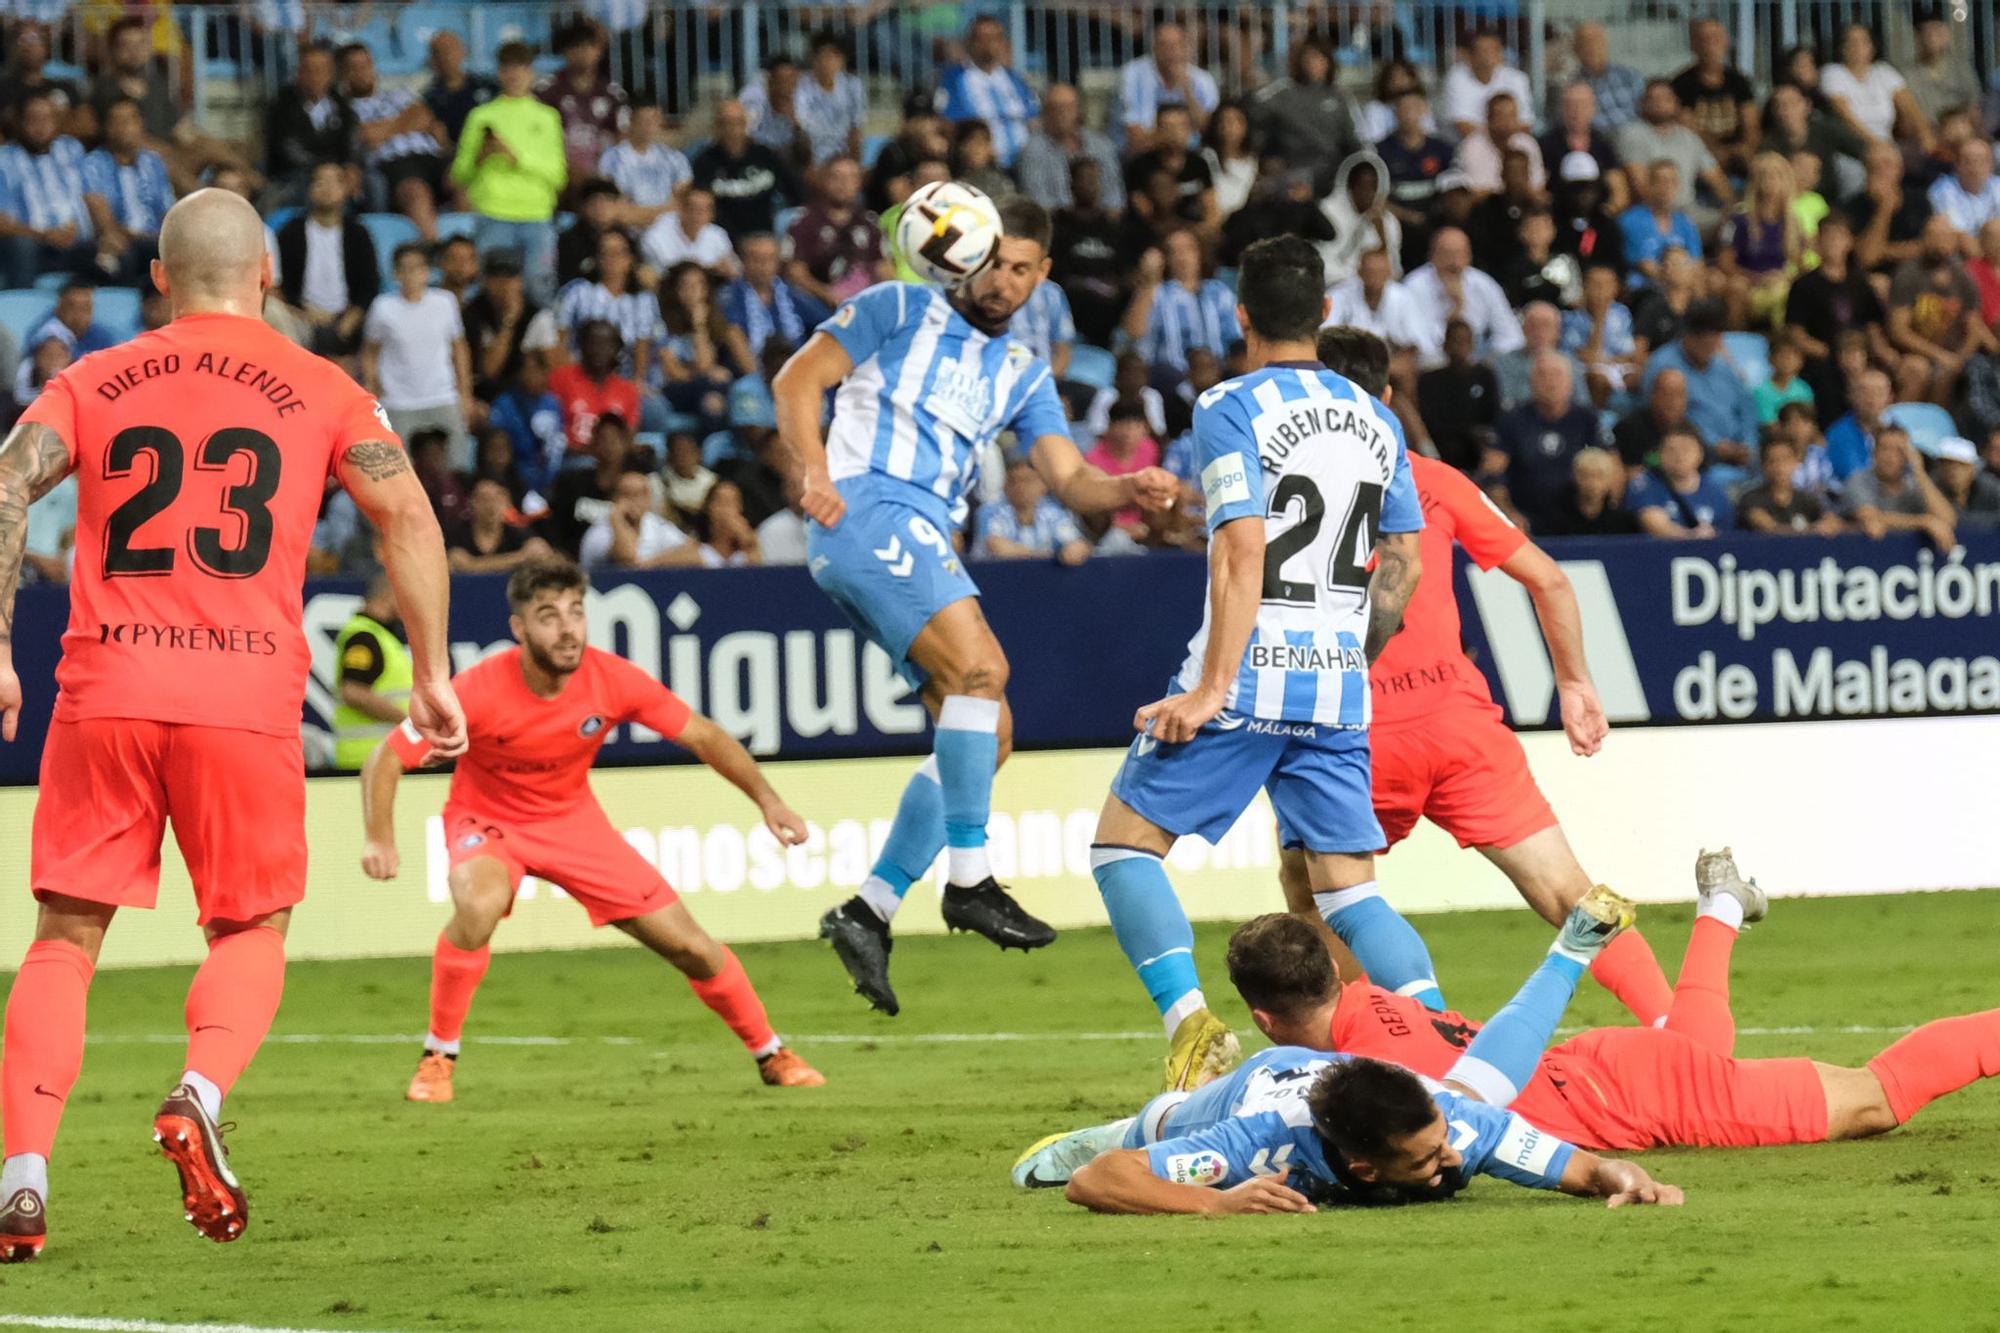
[(92, 1325)]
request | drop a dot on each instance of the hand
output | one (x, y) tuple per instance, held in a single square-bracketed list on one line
[(495, 146), (1653, 1191), (349, 321), (1583, 717), (62, 238), (380, 860), (1176, 718), (435, 713), (1263, 1194), (784, 823), (1152, 267), (10, 701), (1155, 488), (1943, 535), (468, 409), (822, 503)]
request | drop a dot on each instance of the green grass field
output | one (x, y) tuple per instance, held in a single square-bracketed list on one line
[(652, 1183)]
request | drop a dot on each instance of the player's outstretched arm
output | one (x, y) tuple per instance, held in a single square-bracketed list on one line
[(380, 773), (1618, 1183), (1562, 626), (1121, 1181), (377, 474), (799, 394), (1398, 566), (1086, 489), (33, 458), (726, 755)]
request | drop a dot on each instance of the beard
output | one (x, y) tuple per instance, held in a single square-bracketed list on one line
[(546, 660), (983, 315)]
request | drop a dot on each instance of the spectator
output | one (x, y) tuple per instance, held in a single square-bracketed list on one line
[(771, 105), (1799, 426), (1448, 287), (1537, 271), (49, 543), (1972, 493), (1968, 197), (1589, 505), (1761, 246), (690, 234), (328, 272), (924, 136), (1720, 407), (1044, 326), (1060, 140), (1460, 401), (1638, 434), (1777, 506), (126, 189), (591, 387), (1029, 523), (512, 167), (305, 124), (1940, 79), (1934, 317), (831, 102), (1985, 272), (431, 462), (1494, 225), (1658, 133), (502, 326), (582, 494), (457, 260), (614, 296), (130, 73), (1717, 102), (591, 108), (73, 323), (414, 358), (1416, 159), (1659, 312), (1178, 305), (763, 490), (1164, 77), (487, 540), (687, 482), (700, 353), (1357, 208), (532, 419), (1285, 205), (1395, 79), (1872, 92), (631, 534), (1892, 494), (1535, 444), (1194, 188), (972, 161), (25, 74), (1232, 162), (1501, 131), (44, 221), (1577, 148), (986, 87), (1130, 377), (403, 145), (1305, 119), (1374, 301), (1793, 126), (1850, 441), (728, 538), (1482, 72), (1678, 499), (1654, 225), (760, 304), (597, 208), (45, 356), (453, 91), (1617, 88), (1586, 230), (1541, 331), (747, 178), (835, 248), (1127, 446), (781, 537), (1085, 261), (1888, 220), (1786, 383), (648, 172)]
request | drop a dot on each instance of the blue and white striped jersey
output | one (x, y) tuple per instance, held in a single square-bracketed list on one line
[(636, 315), (1324, 466), (929, 392), (45, 190), (386, 104), (139, 194), (1255, 1122), (1183, 319), (647, 178), (1049, 529), (1044, 321), (1000, 97)]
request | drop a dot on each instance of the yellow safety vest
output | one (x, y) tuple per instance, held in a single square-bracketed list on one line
[(355, 734)]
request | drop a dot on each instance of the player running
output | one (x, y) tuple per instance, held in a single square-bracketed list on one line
[(520, 804), (1440, 747), (202, 451), (1305, 477), (1628, 1088), (927, 379)]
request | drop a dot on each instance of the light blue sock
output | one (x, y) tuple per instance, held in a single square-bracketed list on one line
[(1151, 928), (967, 750), (1502, 1058), (1386, 946), (915, 839)]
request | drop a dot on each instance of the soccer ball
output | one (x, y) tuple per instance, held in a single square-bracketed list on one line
[(948, 232)]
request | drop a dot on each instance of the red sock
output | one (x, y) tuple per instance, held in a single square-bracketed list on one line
[(1629, 971), (232, 1002), (1701, 998), (44, 1043), (1937, 1058), (455, 975), (735, 1002)]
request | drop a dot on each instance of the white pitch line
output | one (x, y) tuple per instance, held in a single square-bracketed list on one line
[(88, 1324)]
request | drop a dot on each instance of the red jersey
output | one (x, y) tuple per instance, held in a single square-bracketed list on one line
[(201, 452), (1425, 668), (584, 400), (529, 758)]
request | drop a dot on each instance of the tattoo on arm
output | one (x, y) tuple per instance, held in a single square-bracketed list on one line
[(33, 459), (1389, 588), (377, 460)]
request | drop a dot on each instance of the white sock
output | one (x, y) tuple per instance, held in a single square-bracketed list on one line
[(1722, 907), (967, 866), (24, 1171), (205, 1092), (1178, 1011), (433, 1042), (1329, 901), (882, 899), (771, 1047)]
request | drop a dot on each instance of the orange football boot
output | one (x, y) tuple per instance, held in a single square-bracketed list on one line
[(432, 1082), (786, 1068)]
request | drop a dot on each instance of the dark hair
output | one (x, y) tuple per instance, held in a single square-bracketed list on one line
[(595, 186), (1687, 428), (589, 328), (109, 107), (1357, 354), (1278, 961), (580, 33), (827, 38), (780, 60), (1798, 409), (1359, 1106), (676, 316), (1127, 409), (1209, 136), (1023, 219), (124, 25), (37, 95), (319, 46), (544, 573), (1281, 283), (428, 436), (514, 53), (1704, 316), (450, 241), (341, 53), (1393, 67), (78, 285), (417, 248)]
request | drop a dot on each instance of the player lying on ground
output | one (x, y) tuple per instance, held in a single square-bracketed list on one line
[(1293, 1127), (1628, 1088), (202, 452), (1440, 748), (520, 804), (927, 379), (1306, 478)]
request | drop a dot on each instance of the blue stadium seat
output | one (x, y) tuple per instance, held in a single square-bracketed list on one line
[(415, 27), (1091, 365), (457, 224), (871, 148), (117, 309), (52, 282), (279, 217), (1927, 423), (388, 230), (1751, 355), (20, 311), (784, 220)]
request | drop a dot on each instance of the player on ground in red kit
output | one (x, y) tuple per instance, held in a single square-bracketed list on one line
[(521, 804), (1441, 749), (202, 452), (1628, 1088)]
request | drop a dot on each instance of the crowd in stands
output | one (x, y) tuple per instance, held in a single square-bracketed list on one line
[(1728, 299)]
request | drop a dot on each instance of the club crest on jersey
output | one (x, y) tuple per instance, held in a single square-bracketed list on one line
[(473, 840), (591, 726), (1196, 1168)]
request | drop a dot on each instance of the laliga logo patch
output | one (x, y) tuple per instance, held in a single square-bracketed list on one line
[(844, 316), (591, 726), (1196, 1168), (382, 416)]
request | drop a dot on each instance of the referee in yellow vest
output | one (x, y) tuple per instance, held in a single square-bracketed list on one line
[(372, 673)]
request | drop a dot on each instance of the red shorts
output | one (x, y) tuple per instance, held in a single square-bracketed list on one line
[(1464, 771), (580, 852), (237, 800), (1635, 1088)]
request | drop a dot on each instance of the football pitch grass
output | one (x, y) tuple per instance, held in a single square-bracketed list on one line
[(627, 1170)]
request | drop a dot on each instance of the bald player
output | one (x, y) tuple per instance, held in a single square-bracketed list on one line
[(202, 452)]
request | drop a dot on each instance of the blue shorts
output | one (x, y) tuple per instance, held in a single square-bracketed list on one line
[(1317, 777), (890, 564)]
